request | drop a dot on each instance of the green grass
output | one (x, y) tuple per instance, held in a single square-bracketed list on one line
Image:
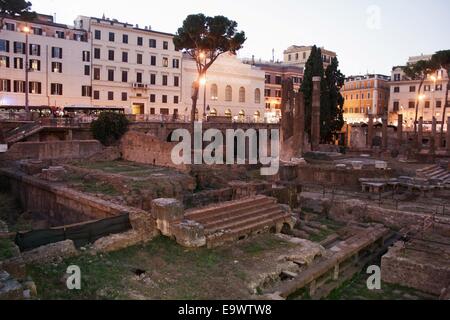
[(6, 249), (99, 187)]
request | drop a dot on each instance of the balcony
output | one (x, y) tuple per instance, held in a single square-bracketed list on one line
[(138, 85)]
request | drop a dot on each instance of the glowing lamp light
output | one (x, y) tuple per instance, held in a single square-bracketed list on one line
[(26, 29), (421, 97), (203, 81)]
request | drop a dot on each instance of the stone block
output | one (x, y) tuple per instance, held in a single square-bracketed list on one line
[(54, 174), (167, 212), (190, 234)]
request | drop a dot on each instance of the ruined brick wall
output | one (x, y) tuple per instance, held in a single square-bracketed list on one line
[(147, 149), (52, 150)]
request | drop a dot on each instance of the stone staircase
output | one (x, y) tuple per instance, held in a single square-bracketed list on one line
[(22, 132), (434, 172), (237, 220)]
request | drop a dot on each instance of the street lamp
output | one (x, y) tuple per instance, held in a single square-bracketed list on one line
[(202, 56), (27, 31)]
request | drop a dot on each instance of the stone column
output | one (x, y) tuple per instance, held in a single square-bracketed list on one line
[(385, 132), (433, 136), (420, 134), (299, 124), (315, 121), (370, 132), (167, 212), (448, 135), (400, 130)]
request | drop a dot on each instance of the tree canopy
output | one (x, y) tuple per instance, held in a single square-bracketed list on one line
[(21, 8)]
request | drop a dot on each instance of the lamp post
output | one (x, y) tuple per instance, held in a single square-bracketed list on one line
[(27, 30), (203, 82)]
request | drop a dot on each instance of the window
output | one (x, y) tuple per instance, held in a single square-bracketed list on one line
[(411, 105), (140, 41), (96, 95), (257, 96), (267, 92), (139, 77), (439, 87), (10, 26), (152, 43), (268, 78), (153, 79), (228, 94), (278, 80), (125, 38), (164, 80), (427, 104), (60, 34), (176, 99), (427, 88), (5, 85), (278, 93), (18, 63), (124, 76), (37, 31), (86, 91), (124, 56), (166, 45), (79, 37), (35, 65), (139, 58), (96, 73), (112, 37), (56, 89), (4, 62), (87, 70), (153, 60), (438, 104), (35, 50), (110, 75), (19, 47), (396, 89), (241, 94), (97, 53), (35, 87), (111, 55), (19, 86), (86, 56), (412, 89), (4, 45), (397, 77), (152, 98), (164, 111), (396, 106), (164, 98), (176, 81), (110, 95), (165, 62), (214, 92), (124, 96), (176, 63), (57, 53), (98, 35), (57, 67)]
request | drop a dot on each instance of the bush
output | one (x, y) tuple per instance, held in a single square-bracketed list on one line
[(109, 127)]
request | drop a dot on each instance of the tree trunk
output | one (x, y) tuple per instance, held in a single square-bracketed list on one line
[(417, 105), (441, 138), (193, 110)]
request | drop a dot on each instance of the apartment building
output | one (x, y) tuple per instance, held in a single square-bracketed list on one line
[(231, 89), (132, 67), (59, 64), (404, 92), (299, 55), (365, 95)]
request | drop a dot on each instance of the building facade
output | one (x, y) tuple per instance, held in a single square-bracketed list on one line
[(59, 64), (231, 89), (404, 93), (364, 96), (299, 55), (132, 67)]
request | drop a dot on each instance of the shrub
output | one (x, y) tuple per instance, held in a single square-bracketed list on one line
[(109, 127)]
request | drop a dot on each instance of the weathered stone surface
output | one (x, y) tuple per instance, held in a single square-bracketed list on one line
[(167, 212), (120, 241), (190, 234), (54, 174)]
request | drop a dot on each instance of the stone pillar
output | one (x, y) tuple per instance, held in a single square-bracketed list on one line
[(420, 134), (400, 130), (385, 132), (167, 212), (315, 120), (448, 135), (433, 136), (299, 124), (370, 132)]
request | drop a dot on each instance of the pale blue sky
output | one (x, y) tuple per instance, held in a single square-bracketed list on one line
[(368, 35)]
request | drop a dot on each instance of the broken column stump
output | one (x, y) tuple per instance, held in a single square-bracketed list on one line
[(167, 213)]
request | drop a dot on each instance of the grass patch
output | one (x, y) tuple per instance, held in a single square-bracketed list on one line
[(6, 249), (99, 187)]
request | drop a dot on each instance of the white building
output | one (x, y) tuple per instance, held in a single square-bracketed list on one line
[(59, 64), (299, 55), (404, 93), (233, 89), (134, 68)]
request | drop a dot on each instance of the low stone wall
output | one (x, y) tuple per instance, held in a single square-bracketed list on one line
[(52, 150), (331, 176), (147, 149)]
